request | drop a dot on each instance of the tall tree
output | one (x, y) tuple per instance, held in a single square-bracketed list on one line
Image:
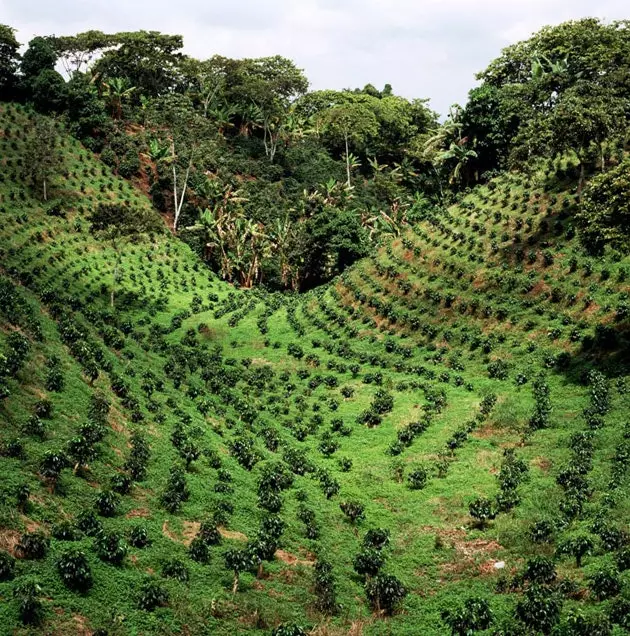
[(9, 61), (42, 155)]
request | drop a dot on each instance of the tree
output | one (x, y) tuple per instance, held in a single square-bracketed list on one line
[(459, 155), (148, 60), (42, 155), (332, 239), (9, 61), (354, 123), (118, 222)]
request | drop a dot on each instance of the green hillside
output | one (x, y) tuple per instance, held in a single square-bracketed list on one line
[(287, 362), (170, 439)]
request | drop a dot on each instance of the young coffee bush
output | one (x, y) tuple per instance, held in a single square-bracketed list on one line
[(152, 594), (74, 570), (417, 478), (376, 538), (368, 562), (33, 545), (474, 615), (88, 523), (111, 547), (139, 537), (481, 510), (7, 566), (107, 503), (30, 606), (354, 510), (605, 583), (175, 569), (199, 550), (385, 593), (65, 531)]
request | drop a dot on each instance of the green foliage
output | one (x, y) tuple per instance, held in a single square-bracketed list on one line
[(604, 216), (385, 593), (74, 570), (473, 615)]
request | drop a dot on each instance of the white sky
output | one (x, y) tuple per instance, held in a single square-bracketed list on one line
[(424, 48)]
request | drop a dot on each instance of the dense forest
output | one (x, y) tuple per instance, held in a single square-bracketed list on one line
[(281, 361)]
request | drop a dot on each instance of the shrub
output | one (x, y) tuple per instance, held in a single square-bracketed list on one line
[(376, 538), (139, 537), (65, 531), (30, 606), (481, 510), (152, 594), (7, 566), (354, 510), (198, 550), (89, 523), (417, 478), (175, 569), (473, 615), (74, 570), (368, 562), (605, 583), (539, 609), (325, 588), (111, 547), (540, 570), (33, 545), (107, 503), (577, 546), (385, 592)]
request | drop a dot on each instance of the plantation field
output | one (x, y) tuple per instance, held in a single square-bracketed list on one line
[(219, 456)]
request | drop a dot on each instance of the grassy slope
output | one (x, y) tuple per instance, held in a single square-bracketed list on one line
[(50, 252)]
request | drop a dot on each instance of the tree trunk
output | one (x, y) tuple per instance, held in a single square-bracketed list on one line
[(115, 281), (347, 159), (45, 193), (235, 584), (581, 181)]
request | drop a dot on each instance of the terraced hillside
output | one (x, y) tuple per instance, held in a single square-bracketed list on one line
[(440, 433)]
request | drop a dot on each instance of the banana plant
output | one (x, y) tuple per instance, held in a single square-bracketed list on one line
[(117, 90)]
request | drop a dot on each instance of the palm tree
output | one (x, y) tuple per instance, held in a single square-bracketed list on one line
[(117, 90)]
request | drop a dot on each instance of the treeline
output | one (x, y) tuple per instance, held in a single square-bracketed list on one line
[(270, 182), (277, 185)]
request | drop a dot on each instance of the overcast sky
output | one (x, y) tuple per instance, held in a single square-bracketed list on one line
[(424, 48)]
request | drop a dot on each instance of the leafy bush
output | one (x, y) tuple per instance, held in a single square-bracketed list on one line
[(175, 569), (111, 547), (385, 593), (151, 594), (33, 545), (473, 615), (7, 566), (74, 570), (139, 537), (30, 606)]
